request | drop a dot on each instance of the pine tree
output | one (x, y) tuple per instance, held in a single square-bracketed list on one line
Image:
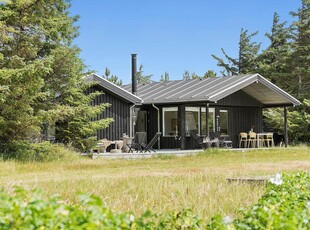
[(41, 74), (209, 74), (273, 62), (247, 59), (300, 58), (113, 78), (281, 63), (164, 77), (141, 78), (187, 75)]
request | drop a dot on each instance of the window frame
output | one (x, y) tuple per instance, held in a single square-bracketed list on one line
[(227, 128), (164, 110)]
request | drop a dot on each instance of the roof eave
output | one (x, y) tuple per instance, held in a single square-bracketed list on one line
[(114, 88)]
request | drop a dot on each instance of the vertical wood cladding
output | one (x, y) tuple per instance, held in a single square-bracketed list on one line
[(119, 110), (243, 113), (239, 98), (241, 119)]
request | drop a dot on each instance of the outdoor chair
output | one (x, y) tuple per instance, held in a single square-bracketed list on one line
[(214, 141), (261, 140), (243, 138), (138, 142), (199, 142), (149, 146), (269, 139), (224, 143), (252, 140)]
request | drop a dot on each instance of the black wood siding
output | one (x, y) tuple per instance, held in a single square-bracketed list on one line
[(119, 111), (241, 119), (239, 98), (243, 112)]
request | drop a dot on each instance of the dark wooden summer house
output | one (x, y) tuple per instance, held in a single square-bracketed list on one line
[(224, 106)]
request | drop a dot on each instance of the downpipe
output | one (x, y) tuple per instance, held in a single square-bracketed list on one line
[(158, 124)]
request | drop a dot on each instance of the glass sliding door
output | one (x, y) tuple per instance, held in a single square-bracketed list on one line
[(224, 122), (192, 122), (170, 121), (211, 120)]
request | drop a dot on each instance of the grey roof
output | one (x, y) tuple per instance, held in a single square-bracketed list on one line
[(113, 88), (213, 90)]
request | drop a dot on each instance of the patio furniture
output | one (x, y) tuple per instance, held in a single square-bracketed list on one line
[(243, 138), (269, 139), (224, 142), (126, 142), (214, 141), (149, 146), (265, 138), (138, 142), (102, 145), (252, 140), (199, 142), (118, 144), (260, 139)]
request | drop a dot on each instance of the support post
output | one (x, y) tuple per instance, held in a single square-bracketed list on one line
[(181, 126), (285, 128), (217, 122), (207, 120)]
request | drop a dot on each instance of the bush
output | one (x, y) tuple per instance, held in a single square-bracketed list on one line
[(286, 205), (25, 151), (27, 210)]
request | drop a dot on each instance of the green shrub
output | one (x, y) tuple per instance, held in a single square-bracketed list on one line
[(285, 205), (27, 210), (25, 151)]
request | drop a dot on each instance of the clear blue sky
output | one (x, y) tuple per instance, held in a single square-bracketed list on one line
[(169, 35)]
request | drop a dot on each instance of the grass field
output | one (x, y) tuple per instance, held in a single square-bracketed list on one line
[(161, 184)]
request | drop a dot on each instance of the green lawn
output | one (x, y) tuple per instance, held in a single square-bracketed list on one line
[(163, 183)]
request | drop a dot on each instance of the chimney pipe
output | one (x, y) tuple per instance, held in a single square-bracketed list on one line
[(134, 73)]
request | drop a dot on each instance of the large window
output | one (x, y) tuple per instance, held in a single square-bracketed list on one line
[(170, 121), (195, 120), (211, 120), (192, 123), (224, 122)]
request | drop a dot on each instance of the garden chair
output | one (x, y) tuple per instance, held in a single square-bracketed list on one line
[(243, 138), (224, 143), (252, 140), (149, 146), (199, 142), (138, 142), (269, 140)]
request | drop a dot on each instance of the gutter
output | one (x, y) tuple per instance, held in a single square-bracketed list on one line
[(158, 124)]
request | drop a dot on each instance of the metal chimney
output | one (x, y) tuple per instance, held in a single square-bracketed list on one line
[(134, 73)]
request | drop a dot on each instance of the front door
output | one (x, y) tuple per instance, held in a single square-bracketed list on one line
[(142, 121)]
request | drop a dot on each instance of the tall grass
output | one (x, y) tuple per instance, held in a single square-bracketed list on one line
[(160, 184)]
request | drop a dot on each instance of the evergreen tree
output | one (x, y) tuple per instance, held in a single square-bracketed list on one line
[(187, 75), (280, 63), (164, 77), (247, 59), (273, 62), (209, 74), (113, 78), (300, 59), (41, 74), (141, 78)]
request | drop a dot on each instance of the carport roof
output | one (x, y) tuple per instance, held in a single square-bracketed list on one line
[(213, 90)]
